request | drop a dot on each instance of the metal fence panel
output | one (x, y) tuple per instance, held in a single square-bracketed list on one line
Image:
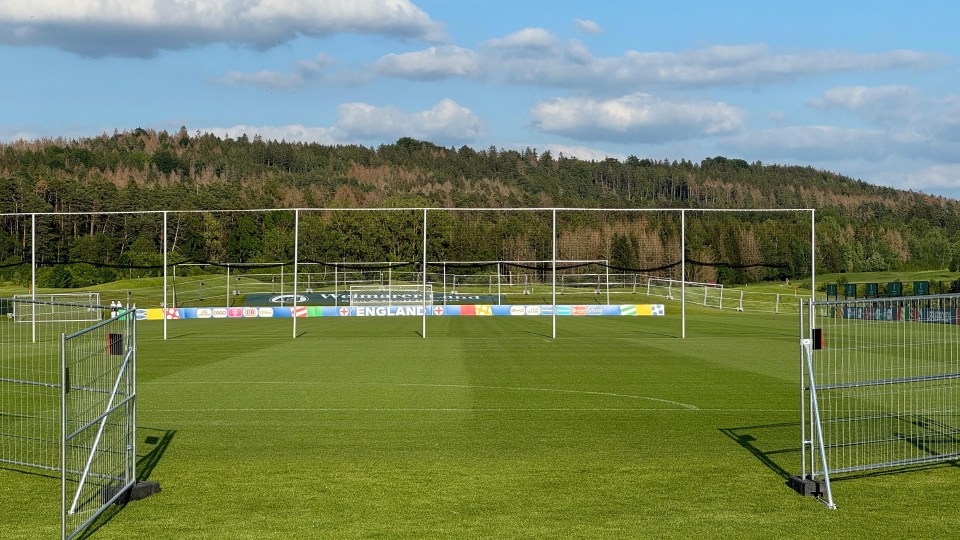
[(98, 419), (884, 379)]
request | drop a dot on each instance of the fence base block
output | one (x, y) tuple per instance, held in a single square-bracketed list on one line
[(808, 487), (140, 490)]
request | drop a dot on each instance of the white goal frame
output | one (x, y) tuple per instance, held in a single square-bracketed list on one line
[(426, 231), (57, 307)]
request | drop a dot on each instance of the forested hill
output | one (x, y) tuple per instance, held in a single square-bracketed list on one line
[(860, 226)]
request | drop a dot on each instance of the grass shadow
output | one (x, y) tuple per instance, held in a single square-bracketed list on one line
[(766, 443), (152, 444), (29, 471)]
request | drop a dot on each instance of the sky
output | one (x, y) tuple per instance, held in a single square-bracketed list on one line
[(867, 89)]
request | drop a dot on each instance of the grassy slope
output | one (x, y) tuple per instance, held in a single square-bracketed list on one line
[(361, 429)]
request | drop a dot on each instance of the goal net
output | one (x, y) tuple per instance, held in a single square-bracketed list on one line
[(57, 307), (695, 292), (391, 295)]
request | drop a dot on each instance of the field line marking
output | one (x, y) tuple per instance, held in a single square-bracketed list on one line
[(465, 386), (557, 390), (455, 409), (419, 409)]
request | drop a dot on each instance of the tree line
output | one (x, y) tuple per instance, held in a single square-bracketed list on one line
[(860, 227)]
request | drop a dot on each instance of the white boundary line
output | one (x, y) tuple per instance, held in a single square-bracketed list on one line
[(459, 409), (431, 385)]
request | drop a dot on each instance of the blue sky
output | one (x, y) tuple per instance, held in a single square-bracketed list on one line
[(866, 89)]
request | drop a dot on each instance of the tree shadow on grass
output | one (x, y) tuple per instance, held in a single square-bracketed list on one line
[(151, 446)]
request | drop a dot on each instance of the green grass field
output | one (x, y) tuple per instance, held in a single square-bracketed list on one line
[(360, 428)]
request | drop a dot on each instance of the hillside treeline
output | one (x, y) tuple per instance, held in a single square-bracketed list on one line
[(860, 227)]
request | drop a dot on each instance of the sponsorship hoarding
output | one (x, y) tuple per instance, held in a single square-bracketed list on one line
[(469, 310)]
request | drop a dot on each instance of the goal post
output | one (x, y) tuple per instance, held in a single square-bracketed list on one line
[(57, 307)]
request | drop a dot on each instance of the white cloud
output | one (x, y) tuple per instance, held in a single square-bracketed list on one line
[(588, 27), (529, 39), (305, 71), (635, 118), (142, 27), (584, 153), (935, 178), (446, 122), (860, 97), (809, 143), (431, 64), (289, 133), (902, 121), (534, 56), (882, 104)]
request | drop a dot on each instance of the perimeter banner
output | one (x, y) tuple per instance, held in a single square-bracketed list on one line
[(900, 313), (467, 310)]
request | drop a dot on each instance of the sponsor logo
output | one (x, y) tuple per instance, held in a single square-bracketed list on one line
[(265, 312), (579, 310), (219, 313), (141, 314), (344, 311), (438, 310), (249, 312), (288, 299), (594, 310), (518, 310), (204, 313), (533, 310), (564, 310), (234, 312)]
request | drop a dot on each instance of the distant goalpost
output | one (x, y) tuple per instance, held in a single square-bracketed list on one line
[(57, 307), (880, 386)]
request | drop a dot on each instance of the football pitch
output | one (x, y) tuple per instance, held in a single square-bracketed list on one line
[(360, 428)]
